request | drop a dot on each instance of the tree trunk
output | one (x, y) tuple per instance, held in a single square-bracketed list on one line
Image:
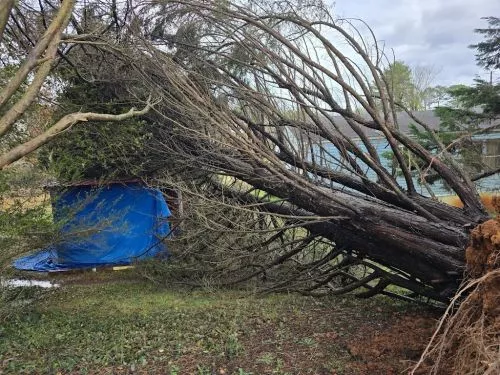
[(431, 253)]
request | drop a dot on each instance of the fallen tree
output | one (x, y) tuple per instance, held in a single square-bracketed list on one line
[(292, 107), (287, 104)]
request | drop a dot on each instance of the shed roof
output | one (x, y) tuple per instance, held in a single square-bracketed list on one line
[(91, 182)]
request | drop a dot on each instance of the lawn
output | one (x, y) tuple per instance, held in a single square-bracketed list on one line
[(130, 326)]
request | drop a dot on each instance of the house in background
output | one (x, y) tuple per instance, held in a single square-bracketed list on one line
[(488, 143)]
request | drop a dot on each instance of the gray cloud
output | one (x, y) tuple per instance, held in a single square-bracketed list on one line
[(427, 32)]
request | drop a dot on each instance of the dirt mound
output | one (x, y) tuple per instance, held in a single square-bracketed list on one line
[(483, 259), (471, 334), (390, 349)]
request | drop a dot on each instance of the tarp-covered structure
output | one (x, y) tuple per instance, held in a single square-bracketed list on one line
[(108, 225)]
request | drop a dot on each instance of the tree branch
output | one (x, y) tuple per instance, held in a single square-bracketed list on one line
[(5, 10), (64, 123), (50, 37)]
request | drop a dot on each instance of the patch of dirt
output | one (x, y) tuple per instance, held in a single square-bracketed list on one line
[(393, 348), (314, 344)]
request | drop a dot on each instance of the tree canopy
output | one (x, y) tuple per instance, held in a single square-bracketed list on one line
[(399, 78)]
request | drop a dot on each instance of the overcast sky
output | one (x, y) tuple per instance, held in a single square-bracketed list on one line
[(427, 32)]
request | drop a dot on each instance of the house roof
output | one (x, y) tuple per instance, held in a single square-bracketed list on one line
[(404, 121)]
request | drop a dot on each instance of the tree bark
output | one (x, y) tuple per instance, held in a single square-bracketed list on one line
[(5, 10)]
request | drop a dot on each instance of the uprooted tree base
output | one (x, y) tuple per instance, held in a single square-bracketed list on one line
[(471, 335)]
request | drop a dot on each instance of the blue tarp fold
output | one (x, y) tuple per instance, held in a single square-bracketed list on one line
[(103, 226)]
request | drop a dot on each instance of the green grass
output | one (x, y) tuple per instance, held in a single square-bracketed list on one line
[(118, 327)]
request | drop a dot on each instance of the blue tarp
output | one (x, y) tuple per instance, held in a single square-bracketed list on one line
[(112, 225)]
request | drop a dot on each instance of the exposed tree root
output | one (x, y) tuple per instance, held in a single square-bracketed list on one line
[(467, 340)]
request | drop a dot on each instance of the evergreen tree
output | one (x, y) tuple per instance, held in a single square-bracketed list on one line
[(488, 51), (470, 109)]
